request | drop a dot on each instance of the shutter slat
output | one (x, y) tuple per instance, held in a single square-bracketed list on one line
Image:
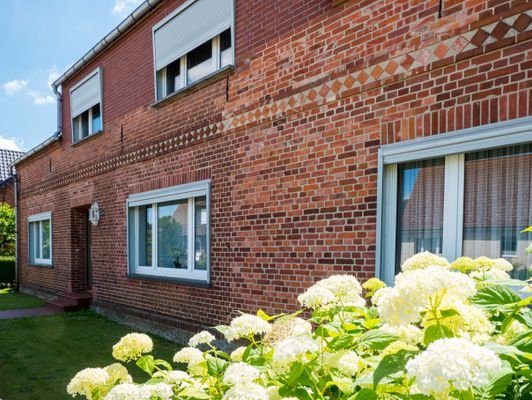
[(199, 22), (85, 95)]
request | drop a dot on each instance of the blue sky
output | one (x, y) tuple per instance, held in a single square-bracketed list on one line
[(39, 40)]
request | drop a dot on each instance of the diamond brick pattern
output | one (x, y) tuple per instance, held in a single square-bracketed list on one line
[(323, 93)]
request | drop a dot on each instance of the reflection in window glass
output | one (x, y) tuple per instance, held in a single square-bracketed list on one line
[(200, 226), (172, 222), (145, 235), (420, 208), (96, 119), (45, 226), (200, 62), (225, 48), (173, 77), (497, 205)]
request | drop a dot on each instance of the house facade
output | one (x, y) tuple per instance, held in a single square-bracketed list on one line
[(231, 153)]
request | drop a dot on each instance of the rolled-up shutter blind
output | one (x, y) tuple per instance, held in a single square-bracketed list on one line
[(199, 22), (85, 95)]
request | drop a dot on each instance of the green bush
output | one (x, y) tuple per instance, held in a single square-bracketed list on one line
[(7, 271)]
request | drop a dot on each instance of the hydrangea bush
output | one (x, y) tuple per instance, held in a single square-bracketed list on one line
[(443, 331)]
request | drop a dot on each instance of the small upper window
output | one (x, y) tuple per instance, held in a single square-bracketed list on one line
[(86, 107), (192, 43), (40, 238)]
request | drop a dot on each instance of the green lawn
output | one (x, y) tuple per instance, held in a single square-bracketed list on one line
[(39, 356), (10, 300)]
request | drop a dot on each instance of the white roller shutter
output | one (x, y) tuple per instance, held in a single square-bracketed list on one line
[(86, 94), (200, 21)]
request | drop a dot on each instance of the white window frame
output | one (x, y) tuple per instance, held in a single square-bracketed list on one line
[(186, 191), (100, 104), (35, 255), (216, 56), (452, 146)]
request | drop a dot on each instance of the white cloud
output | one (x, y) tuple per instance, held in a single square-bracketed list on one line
[(14, 86), (53, 74), (41, 99), (9, 143), (124, 7)]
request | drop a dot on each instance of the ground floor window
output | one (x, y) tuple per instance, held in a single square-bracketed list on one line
[(168, 232), (465, 193), (40, 238)]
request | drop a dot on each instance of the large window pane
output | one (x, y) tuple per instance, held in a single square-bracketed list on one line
[(200, 62), (200, 226), (497, 205), (45, 226), (226, 54), (96, 119), (34, 240), (420, 208), (172, 220), (145, 235)]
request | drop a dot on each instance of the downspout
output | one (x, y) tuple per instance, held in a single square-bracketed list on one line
[(59, 97), (15, 190)]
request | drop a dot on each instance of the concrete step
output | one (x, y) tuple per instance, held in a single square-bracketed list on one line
[(71, 301)]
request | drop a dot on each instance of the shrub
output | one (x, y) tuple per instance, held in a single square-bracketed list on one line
[(7, 230), (438, 333), (7, 271)]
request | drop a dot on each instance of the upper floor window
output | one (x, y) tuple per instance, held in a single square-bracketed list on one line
[(192, 43), (86, 106)]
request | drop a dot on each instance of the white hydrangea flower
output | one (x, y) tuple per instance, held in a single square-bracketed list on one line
[(407, 333), (344, 361), (345, 288), (402, 304), (502, 265), (118, 374), (176, 378), (424, 260), (294, 348), (188, 355), (240, 373), (203, 337), (124, 391), (492, 274), (452, 363), (246, 391), (85, 381), (132, 346), (247, 325), (316, 297), (159, 391), (238, 353), (286, 327)]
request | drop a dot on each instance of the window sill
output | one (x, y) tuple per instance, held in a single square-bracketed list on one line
[(199, 84), (168, 279), (86, 139), (40, 265)]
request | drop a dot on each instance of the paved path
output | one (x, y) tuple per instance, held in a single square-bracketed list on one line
[(29, 312)]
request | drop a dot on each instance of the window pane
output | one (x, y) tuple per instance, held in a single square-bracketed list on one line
[(225, 48), (96, 119), (161, 83), (45, 226), (172, 220), (84, 124), (145, 235), (75, 127), (497, 205), (200, 241), (33, 240), (420, 208), (200, 62), (173, 77)]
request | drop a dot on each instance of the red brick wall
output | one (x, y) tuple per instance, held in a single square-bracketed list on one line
[(289, 141), (7, 192)]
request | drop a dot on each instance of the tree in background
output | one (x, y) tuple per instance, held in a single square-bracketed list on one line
[(7, 230)]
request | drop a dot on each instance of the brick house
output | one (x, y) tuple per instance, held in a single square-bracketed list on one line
[(7, 187), (238, 151)]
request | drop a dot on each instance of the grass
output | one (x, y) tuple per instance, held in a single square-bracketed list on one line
[(39, 356), (11, 300)]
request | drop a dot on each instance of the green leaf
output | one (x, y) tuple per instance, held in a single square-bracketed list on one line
[(376, 339), (164, 364), (264, 316), (216, 366), (496, 386), (341, 342), (435, 332), (147, 364), (222, 329), (296, 369), (391, 364), (450, 312), (191, 392), (365, 394), (491, 298), (302, 394), (529, 229), (523, 341)]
